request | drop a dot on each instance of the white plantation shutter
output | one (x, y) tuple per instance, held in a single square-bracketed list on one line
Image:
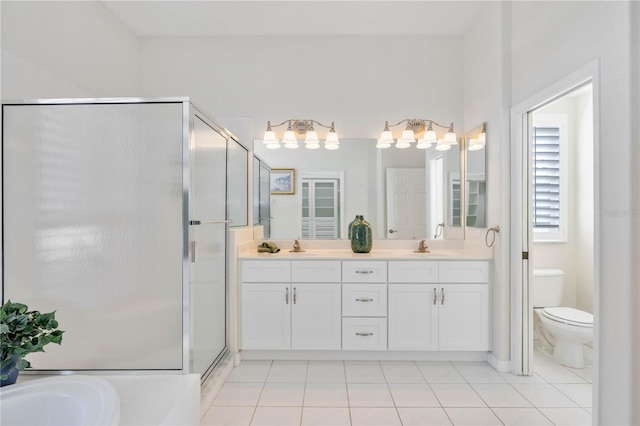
[(320, 209), (546, 178)]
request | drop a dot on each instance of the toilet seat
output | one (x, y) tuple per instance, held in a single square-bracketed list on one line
[(569, 316)]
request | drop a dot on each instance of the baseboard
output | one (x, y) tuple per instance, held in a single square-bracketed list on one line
[(499, 365), (210, 388)]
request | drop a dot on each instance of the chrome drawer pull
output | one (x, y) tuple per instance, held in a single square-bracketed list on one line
[(364, 334), (364, 300), (442, 300), (294, 296), (364, 272), (286, 296), (435, 296)]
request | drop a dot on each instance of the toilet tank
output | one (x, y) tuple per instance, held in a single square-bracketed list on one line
[(546, 289)]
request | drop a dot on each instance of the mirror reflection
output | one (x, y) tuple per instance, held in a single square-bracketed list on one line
[(404, 193), (476, 182)]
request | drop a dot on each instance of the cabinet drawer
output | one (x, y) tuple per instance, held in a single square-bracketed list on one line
[(364, 271), (464, 271), (267, 271), (364, 334), (418, 271), (315, 271), (364, 300)]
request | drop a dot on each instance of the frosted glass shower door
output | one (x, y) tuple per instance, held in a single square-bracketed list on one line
[(207, 235), (93, 229)]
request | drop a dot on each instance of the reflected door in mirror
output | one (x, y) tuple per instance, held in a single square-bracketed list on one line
[(406, 203)]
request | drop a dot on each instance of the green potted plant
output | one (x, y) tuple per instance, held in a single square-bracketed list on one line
[(23, 332)]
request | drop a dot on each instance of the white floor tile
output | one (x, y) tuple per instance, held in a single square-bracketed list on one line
[(277, 416), (457, 395), (374, 416), (556, 373), (364, 373), (288, 371), (439, 372), (326, 372), (369, 395), (543, 395), (478, 372), (282, 395), (472, 416), (500, 395), (238, 394), (413, 395), (586, 373), (423, 417), (581, 394), (326, 395), (406, 372), (228, 416), (567, 416), (512, 378), (250, 371), (521, 416), (326, 416)]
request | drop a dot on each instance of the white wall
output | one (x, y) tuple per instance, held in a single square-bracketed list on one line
[(570, 41), (356, 81), (66, 49)]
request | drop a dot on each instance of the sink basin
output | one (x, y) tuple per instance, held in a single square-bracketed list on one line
[(60, 400)]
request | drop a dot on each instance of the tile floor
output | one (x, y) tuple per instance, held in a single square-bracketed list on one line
[(401, 393)]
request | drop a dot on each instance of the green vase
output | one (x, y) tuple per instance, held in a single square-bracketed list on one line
[(361, 236), (351, 226)]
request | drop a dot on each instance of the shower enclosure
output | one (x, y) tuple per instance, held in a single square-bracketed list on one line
[(114, 215)]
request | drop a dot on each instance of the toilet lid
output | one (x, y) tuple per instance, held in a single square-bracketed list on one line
[(569, 316)]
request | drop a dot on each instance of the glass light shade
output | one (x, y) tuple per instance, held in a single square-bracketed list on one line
[(382, 144), (407, 136), (475, 144), (443, 145), (269, 137), (311, 145), (312, 137), (402, 145), (429, 136), (386, 138), (289, 140), (332, 146), (332, 138), (450, 138), (273, 145), (482, 137), (422, 144)]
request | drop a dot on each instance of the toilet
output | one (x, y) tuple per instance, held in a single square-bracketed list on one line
[(564, 329)]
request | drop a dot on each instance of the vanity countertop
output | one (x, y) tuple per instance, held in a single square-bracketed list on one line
[(402, 254)]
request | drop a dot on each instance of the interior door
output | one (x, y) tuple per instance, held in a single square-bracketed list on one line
[(406, 203), (207, 216)]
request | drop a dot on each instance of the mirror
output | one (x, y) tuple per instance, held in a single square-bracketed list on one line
[(332, 187), (476, 181), (261, 196)]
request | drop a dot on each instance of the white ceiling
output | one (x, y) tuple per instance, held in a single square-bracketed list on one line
[(303, 17)]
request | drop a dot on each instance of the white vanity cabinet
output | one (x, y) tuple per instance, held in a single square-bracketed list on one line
[(439, 305), (291, 305)]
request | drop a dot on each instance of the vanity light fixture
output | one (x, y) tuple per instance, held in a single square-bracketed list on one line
[(300, 127), (476, 144), (408, 137)]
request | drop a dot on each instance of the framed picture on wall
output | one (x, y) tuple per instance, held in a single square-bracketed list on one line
[(283, 181)]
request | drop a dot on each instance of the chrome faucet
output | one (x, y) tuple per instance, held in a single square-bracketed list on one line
[(422, 248), (296, 247)]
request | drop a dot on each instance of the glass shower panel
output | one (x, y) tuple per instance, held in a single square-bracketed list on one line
[(207, 236), (93, 230)]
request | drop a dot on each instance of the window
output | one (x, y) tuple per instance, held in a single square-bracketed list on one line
[(549, 169)]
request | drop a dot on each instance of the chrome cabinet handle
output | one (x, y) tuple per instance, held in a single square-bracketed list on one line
[(435, 296), (294, 295), (364, 334), (391, 231), (364, 300), (208, 222), (364, 272), (194, 247), (286, 296), (442, 296)]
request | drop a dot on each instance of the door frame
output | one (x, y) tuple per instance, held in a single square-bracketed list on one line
[(521, 329)]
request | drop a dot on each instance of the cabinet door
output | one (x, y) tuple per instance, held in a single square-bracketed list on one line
[(464, 317), (413, 317), (266, 316), (316, 316)]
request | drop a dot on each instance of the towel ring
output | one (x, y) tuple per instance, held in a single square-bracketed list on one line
[(495, 230)]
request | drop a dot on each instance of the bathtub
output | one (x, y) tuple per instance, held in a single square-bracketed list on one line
[(60, 400)]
